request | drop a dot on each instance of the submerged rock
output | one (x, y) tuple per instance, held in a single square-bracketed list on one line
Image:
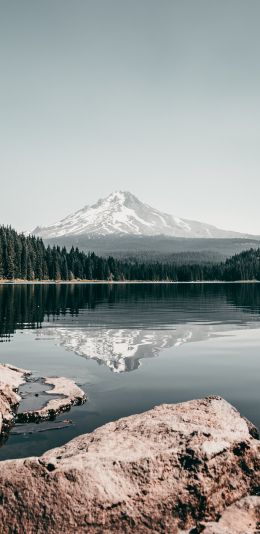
[(11, 378), (164, 471), (69, 395)]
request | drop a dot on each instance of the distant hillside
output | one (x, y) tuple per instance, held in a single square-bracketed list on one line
[(160, 248)]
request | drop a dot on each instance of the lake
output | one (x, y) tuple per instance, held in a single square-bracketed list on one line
[(131, 347)]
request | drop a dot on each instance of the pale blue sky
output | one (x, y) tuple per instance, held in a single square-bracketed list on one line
[(157, 97)]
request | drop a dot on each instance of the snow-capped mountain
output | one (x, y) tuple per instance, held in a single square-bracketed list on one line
[(122, 214)]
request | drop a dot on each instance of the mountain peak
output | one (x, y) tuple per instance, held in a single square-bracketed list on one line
[(120, 196), (122, 213)]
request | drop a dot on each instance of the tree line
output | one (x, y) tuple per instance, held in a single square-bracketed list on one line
[(27, 258)]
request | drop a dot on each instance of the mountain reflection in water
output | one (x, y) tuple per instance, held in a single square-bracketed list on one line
[(122, 349), (118, 325)]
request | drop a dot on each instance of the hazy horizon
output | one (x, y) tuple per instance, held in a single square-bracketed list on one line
[(157, 98)]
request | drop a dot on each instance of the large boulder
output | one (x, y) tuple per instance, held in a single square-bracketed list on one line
[(165, 470)]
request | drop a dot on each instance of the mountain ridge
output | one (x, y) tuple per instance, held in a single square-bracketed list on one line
[(122, 214)]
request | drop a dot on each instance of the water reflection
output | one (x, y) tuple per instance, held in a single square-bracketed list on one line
[(122, 349), (118, 325), (30, 306)]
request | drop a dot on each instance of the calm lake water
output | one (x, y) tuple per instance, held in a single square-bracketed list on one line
[(131, 347)]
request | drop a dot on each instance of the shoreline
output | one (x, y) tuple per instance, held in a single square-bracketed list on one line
[(122, 282)]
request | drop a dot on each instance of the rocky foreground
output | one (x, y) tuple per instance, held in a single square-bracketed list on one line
[(188, 467)]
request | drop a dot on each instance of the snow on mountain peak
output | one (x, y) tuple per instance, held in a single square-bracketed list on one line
[(122, 213)]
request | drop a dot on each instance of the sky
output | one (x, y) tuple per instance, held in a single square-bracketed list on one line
[(157, 97)]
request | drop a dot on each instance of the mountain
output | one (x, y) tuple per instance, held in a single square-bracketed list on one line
[(123, 214)]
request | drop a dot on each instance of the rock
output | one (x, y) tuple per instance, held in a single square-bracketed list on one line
[(162, 471), (10, 379), (12, 376), (71, 395), (243, 517)]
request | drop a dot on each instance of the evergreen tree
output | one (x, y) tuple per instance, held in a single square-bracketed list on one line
[(28, 258)]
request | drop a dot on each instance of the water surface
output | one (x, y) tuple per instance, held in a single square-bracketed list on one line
[(131, 347)]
